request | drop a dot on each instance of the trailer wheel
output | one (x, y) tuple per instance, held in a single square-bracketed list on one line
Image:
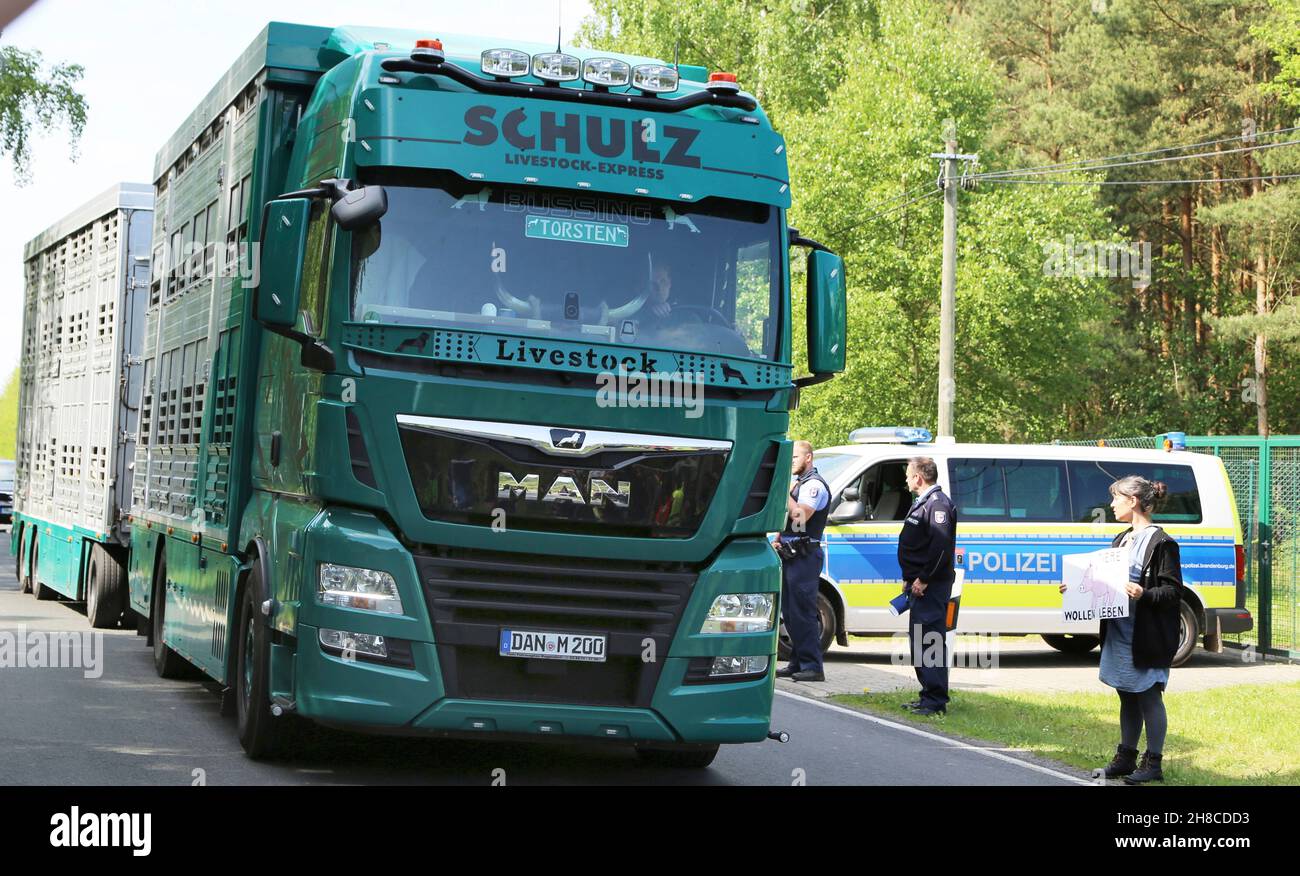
[(24, 579), (695, 757), (262, 735), (166, 662), (39, 590), (105, 589)]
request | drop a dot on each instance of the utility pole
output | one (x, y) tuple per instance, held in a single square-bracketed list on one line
[(948, 294)]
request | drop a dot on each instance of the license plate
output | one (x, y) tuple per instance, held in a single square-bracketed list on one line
[(552, 646)]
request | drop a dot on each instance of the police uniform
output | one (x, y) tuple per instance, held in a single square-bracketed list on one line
[(800, 575), (925, 551)]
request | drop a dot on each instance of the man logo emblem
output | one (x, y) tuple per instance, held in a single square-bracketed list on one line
[(567, 439)]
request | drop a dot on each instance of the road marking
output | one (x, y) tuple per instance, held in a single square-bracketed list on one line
[(956, 743)]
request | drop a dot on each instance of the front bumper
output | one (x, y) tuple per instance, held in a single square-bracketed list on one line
[(449, 685)]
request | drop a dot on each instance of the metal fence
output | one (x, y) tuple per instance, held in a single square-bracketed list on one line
[(1265, 477)]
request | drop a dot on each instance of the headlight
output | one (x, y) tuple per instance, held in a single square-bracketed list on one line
[(366, 589), (741, 613)]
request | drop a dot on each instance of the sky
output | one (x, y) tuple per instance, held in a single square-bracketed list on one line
[(148, 62)]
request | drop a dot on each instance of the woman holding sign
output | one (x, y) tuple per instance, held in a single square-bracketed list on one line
[(1137, 651)]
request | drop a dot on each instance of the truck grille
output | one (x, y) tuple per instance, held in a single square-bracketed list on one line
[(473, 595)]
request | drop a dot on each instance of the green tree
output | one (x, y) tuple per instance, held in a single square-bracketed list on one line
[(9, 418), (31, 98)]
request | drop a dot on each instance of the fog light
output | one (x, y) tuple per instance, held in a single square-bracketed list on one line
[(740, 613), (606, 72), (654, 78), (354, 643), (723, 666), (366, 589), (556, 67), (505, 63)]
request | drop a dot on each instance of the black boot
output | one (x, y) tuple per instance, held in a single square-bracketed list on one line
[(1123, 763), (1147, 771)]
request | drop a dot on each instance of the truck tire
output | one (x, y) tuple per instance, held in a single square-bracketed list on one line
[(694, 757), (1188, 630), (40, 591), (166, 662), (1072, 644), (105, 589), (826, 618), (262, 735), (24, 579)]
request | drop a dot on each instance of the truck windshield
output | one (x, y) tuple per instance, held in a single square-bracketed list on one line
[(583, 266)]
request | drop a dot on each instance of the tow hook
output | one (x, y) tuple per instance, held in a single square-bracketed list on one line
[(779, 736)]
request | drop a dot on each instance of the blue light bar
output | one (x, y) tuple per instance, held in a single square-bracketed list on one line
[(891, 435), (1173, 441)]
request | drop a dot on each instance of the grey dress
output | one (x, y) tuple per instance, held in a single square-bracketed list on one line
[(1117, 669)]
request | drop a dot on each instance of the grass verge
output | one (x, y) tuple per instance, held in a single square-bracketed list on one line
[(1237, 735)]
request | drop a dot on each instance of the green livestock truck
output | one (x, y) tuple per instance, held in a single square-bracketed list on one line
[(466, 372)]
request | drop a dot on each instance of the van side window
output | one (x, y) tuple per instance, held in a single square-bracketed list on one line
[(1010, 489), (885, 490), (977, 489), (879, 494), (1090, 484), (1037, 489)]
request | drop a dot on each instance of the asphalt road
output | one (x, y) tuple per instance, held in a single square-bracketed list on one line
[(129, 727)]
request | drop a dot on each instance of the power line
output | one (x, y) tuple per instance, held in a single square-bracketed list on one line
[(1043, 170), (1146, 182), (1079, 161)]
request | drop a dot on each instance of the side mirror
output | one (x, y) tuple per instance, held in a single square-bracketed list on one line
[(827, 313), (851, 494), (360, 207), (285, 241)]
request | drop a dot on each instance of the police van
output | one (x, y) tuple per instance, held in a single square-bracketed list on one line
[(1020, 509)]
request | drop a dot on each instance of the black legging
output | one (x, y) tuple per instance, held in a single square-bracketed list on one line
[(1136, 709)]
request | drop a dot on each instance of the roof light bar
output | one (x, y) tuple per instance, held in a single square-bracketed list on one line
[(891, 435)]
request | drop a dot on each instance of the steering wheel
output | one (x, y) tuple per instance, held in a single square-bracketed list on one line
[(709, 313)]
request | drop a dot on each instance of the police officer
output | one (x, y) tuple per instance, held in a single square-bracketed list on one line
[(799, 546), (925, 554)]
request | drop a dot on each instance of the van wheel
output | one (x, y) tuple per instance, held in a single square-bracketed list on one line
[(1072, 644), (694, 757), (826, 624), (166, 662), (105, 586), (39, 590), (1188, 630)]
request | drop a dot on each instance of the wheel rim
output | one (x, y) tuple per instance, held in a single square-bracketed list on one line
[(248, 663), (90, 594)]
